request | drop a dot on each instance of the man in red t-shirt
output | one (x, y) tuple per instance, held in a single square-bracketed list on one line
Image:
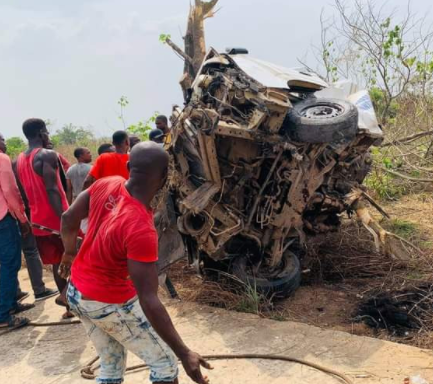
[(117, 262), (111, 163)]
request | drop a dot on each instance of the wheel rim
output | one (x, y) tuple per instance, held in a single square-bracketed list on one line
[(322, 112)]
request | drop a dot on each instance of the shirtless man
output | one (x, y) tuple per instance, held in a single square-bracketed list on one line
[(38, 173)]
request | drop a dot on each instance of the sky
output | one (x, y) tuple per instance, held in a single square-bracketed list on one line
[(71, 61)]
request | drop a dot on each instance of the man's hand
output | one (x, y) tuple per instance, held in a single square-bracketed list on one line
[(25, 229), (191, 363), (145, 279), (65, 265)]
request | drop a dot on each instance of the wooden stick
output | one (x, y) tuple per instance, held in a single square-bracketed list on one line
[(408, 139), (406, 177), (179, 51)]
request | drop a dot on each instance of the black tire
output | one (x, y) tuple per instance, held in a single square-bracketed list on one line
[(322, 121), (285, 282)]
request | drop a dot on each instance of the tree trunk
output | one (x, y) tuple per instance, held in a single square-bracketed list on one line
[(194, 40)]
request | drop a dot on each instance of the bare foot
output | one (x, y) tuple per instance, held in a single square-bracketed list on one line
[(68, 315), (61, 301)]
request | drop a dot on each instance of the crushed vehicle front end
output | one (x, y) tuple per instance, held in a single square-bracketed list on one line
[(262, 158)]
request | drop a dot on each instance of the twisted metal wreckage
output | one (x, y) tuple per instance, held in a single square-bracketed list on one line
[(261, 159)]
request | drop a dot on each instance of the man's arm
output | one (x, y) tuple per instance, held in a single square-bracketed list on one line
[(94, 173), (88, 182), (69, 191), (69, 229), (10, 190), (50, 166), (145, 279)]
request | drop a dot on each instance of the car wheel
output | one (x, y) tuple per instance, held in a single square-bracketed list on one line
[(278, 284), (322, 121)]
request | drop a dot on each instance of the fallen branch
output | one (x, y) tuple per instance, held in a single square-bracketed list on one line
[(375, 204), (398, 174), (408, 139), (179, 51)]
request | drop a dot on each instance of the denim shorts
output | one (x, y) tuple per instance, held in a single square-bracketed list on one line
[(115, 329)]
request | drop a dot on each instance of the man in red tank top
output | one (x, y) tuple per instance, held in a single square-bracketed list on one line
[(38, 173)]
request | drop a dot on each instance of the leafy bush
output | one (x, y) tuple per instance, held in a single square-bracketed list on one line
[(71, 134), (142, 129), (15, 145)]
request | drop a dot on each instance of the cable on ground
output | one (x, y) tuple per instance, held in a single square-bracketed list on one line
[(88, 372)]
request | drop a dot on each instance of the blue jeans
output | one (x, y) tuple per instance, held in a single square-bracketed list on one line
[(116, 328), (10, 264)]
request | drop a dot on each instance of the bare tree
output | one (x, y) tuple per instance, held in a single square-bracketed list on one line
[(370, 44)]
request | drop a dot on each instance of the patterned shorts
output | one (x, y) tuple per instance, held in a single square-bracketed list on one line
[(116, 328)]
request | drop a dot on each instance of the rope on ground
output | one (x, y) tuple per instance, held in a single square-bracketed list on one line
[(88, 372), (34, 324)]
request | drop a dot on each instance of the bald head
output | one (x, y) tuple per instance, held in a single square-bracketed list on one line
[(148, 158)]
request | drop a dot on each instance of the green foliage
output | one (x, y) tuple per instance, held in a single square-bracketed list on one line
[(142, 129), (123, 101), (383, 184), (378, 97), (402, 228), (250, 301), (15, 145), (329, 62), (163, 38), (71, 134)]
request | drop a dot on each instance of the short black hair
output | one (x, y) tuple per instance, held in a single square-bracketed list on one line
[(104, 148), (78, 152), (32, 127), (119, 137), (163, 118), (155, 134)]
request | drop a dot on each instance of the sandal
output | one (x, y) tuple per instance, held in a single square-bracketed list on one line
[(15, 322), (21, 308)]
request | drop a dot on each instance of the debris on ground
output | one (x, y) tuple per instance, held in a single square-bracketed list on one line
[(399, 311)]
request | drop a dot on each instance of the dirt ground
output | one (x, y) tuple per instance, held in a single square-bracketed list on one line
[(54, 355), (337, 276), (335, 281)]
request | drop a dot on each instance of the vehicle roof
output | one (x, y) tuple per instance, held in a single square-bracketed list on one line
[(275, 76)]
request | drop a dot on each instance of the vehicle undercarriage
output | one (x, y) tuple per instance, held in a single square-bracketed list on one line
[(260, 161)]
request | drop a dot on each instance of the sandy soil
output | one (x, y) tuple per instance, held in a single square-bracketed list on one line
[(55, 354)]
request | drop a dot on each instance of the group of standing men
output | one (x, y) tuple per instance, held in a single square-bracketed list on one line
[(37, 189), (112, 278)]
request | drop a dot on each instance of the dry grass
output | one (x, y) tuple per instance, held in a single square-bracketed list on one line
[(350, 254), (228, 292), (342, 270)]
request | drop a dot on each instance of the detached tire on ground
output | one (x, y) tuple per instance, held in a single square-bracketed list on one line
[(322, 121), (281, 284)]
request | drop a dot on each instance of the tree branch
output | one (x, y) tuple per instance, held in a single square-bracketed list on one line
[(398, 174), (179, 51), (408, 139), (208, 8)]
